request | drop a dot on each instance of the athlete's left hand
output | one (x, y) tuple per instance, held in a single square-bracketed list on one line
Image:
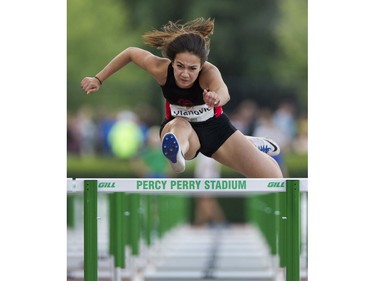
[(212, 99)]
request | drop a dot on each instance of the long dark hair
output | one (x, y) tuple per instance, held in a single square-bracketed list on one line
[(174, 38)]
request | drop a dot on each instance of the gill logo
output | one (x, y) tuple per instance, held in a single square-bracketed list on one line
[(106, 184), (276, 184)]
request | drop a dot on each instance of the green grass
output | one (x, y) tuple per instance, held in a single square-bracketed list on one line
[(297, 165), (98, 167), (108, 167)]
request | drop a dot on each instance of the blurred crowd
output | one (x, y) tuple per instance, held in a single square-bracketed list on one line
[(129, 133)]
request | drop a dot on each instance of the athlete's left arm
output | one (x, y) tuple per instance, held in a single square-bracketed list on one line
[(216, 91)]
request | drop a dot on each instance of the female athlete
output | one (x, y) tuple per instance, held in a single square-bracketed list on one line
[(195, 94)]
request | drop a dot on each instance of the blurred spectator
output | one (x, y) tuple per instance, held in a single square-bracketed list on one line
[(284, 118), (87, 132), (87, 137), (244, 117), (105, 124), (125, 136), (72, 135), (300, 141), (267, 127)]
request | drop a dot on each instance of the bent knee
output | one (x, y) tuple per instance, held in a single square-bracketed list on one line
[(178, 122)]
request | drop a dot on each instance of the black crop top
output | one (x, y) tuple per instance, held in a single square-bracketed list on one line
[(185, 97), (189, 98)]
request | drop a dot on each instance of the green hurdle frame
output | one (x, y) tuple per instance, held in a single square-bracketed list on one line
[(279, 213), (90, 230), (286, 223)]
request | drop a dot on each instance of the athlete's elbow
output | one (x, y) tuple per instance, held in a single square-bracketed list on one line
[(131, 51)]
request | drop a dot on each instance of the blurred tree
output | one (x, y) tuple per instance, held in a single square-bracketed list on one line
[(244, 47), (97, 31), (291, 63), (258, 45)]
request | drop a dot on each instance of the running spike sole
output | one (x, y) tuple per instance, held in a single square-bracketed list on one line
[(170, 147)]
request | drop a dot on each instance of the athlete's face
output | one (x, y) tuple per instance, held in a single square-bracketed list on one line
[(186, 67)]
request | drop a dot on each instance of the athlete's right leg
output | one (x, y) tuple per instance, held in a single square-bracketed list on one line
[(179, 142)]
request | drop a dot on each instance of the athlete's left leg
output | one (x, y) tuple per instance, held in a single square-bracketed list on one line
[(179, 142), (265, 145)]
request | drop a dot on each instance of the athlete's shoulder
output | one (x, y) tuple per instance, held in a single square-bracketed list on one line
[(207, 66), (155, 65), (209, 71)]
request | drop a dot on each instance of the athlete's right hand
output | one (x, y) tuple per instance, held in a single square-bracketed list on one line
[(211, 98), (90, 85)]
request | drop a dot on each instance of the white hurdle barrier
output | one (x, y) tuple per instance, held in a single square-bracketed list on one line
[(191, 186), (221, 186)]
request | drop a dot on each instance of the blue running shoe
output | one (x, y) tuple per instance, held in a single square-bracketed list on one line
[(171, 149), (265, 145)]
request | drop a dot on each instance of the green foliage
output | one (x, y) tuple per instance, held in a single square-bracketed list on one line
[(97, 31), (93, 28), (291, 34), (259, 46)]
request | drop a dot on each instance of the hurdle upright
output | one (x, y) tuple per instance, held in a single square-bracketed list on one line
[(192, 186)]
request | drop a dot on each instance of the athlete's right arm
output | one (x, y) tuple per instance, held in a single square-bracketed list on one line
[(144, 59)]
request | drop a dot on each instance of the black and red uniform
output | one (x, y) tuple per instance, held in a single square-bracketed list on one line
[(214, 131)]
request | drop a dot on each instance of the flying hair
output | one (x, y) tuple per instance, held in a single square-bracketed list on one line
[(161, 38)]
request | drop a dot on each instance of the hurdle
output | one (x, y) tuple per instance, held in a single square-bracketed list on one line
[(288, 212)]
